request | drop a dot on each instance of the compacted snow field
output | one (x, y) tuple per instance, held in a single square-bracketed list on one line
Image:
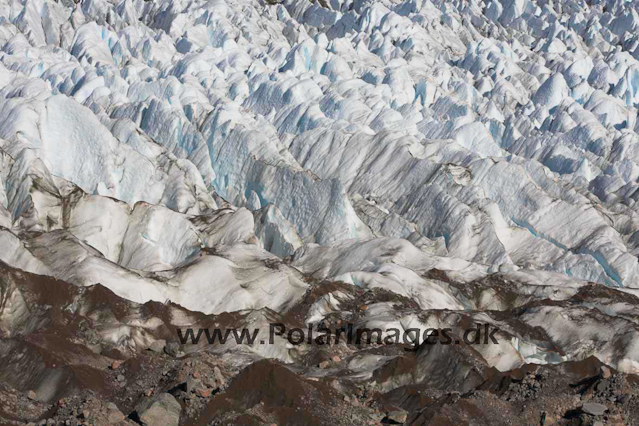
[(451, 162)]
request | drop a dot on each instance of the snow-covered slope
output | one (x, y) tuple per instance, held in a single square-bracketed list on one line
[(225, 154)]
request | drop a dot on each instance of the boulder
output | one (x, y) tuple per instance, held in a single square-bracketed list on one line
[(161, 410)]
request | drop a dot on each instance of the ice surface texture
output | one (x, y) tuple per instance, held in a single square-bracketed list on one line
[(180, 150)]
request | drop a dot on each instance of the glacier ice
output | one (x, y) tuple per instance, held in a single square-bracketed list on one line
[(220, 154)]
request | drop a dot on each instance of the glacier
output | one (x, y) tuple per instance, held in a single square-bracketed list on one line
[(471, 156)]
